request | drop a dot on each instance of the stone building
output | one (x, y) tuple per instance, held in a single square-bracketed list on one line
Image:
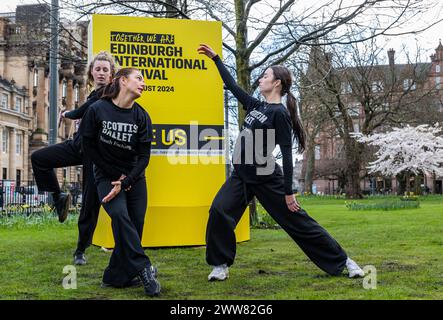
[(24, 86)]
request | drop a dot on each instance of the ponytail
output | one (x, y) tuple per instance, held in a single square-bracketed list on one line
[(284, 75), (296, 123), (112, 90)]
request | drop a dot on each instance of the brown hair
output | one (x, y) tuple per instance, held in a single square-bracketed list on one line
[(284, 75), (101, 56), (112, 90)]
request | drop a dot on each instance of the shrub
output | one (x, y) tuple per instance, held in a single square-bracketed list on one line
[(409, 197), (264, 220), (386, 205)]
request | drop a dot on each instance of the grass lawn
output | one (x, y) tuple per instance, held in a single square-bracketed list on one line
[(405, 247)]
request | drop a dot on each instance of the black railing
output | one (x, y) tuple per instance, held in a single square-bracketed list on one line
[(23, 197)]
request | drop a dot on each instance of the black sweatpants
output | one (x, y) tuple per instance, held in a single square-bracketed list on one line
[(230, 203), (127, 211), (66, 154)]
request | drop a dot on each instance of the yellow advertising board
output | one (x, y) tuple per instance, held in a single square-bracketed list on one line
[(184, 97)]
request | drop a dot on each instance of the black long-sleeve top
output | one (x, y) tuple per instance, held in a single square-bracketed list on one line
[(263, 119), (117, 140), (78, 114), (80, 111)]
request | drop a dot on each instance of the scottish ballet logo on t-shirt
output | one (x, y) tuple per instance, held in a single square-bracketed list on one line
[(120, 132)]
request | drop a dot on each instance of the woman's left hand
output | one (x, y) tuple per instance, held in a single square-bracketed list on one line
[(115, 191), (206, 50), (292, 203)]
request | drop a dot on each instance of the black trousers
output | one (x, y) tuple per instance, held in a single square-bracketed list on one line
[(127, 211), (66, 154), (230, 203)]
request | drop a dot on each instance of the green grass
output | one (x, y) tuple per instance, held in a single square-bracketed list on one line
[(405, 246)]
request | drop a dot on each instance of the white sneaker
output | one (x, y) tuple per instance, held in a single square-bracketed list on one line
[(353, 269), (219, 273)]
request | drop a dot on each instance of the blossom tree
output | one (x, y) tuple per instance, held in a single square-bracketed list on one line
[(406, 150)]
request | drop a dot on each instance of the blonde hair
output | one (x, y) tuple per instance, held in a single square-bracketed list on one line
[(101, 56)]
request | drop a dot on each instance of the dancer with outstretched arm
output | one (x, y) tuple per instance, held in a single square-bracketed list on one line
[(256, 174)]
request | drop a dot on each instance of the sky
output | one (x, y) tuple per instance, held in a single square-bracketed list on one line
[(427, 40)]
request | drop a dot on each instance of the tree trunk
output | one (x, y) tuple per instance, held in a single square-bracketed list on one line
[(353, 153), (434, 183), (408, 183), (310, 165), (417, 184), (402, 185), (243, 74), (241, 58)]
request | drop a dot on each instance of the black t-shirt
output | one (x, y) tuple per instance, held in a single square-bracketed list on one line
[(262, 120), (118, 133)]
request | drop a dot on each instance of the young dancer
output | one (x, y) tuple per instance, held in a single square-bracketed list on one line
[(68, 153), (257, 174), (117, 135)]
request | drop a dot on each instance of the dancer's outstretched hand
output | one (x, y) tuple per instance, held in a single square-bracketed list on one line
[(114, 192), (292, 203), (206, 50)]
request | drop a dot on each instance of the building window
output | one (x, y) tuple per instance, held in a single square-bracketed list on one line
[(18, 144), (437, 82), (5, 99), (5, 141), (15, 30), (377, 86), (18, 104), (18, 177), (77, 93), (65, 173), (79, 174), (35, 78), (317, 152), (437, 68), (5, 173), (339, 150), (64, 88), (354, 110), (346, 88), (409, 84)]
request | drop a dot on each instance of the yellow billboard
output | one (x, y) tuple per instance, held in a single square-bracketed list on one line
[(184, 97)]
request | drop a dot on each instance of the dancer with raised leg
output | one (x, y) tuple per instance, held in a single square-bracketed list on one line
[(68, 153)]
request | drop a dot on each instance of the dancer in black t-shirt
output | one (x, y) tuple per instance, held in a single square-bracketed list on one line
[(117, 135), (256, 173), (68, 153)]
